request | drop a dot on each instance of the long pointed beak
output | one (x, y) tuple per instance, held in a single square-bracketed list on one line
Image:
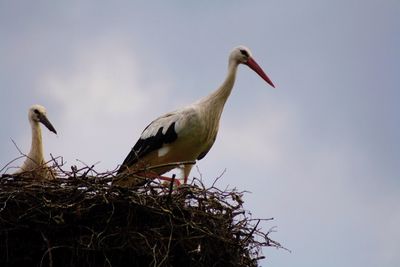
[(43, 119), (254, 66)]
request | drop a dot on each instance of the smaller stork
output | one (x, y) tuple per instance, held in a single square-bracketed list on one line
[(35, 160)]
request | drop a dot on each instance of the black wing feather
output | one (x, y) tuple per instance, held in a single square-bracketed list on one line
[(145, 146)]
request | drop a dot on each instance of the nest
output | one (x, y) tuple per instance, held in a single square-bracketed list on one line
[(81, 219)]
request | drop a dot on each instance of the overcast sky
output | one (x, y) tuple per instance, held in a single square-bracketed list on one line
[(320, 153)]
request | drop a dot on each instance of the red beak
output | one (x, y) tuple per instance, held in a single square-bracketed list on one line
[(254, 66)]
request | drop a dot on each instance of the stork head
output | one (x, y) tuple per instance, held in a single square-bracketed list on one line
[(37, 113), (243, 55)]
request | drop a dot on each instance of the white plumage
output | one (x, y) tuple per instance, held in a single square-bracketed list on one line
[(35, 161), (186, 134)]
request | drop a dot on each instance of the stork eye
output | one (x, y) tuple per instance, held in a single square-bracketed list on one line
[(244, 52), (36, 111)]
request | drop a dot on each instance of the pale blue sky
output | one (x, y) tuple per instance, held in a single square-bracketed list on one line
[(320, 153)]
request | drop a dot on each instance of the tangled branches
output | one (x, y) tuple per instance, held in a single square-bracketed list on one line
[(80, 219)]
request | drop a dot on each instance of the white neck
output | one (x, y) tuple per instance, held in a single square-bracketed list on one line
[(217, 99), (36, 152), (211, 106)]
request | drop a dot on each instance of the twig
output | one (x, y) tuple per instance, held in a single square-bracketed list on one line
[(19, 150), (216, 179), (48, 249), (171, 187), (20, 157)]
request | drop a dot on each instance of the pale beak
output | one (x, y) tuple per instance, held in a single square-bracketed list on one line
[(254, 66), (43, 119)]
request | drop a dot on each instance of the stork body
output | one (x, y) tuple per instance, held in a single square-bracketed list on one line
[(35, 161), (186, 134)]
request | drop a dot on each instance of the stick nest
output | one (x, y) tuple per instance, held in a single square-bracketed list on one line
[(80, 219)]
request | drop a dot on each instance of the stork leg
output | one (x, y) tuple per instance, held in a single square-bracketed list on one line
[(186, 171), (169, 179), (153, 175)]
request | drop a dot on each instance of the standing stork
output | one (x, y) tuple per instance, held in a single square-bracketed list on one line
[(35, 161), (186, 134)]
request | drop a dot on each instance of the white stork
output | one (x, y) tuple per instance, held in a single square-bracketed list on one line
[(186, 134), (35, 161)]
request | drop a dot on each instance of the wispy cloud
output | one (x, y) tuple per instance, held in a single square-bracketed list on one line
[(100, 101)]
